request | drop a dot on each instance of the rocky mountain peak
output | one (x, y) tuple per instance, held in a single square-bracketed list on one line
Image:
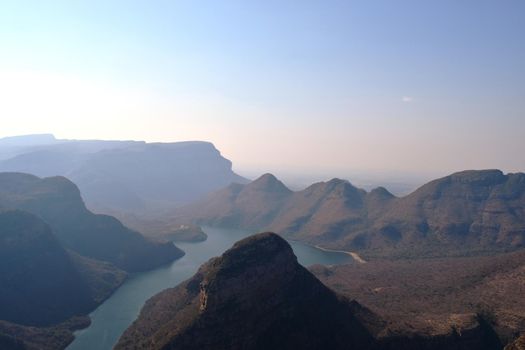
[(381, 192), (259, 261), (255, 296), (269, 183)]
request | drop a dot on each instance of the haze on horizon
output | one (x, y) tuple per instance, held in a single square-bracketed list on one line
[(333, 86)]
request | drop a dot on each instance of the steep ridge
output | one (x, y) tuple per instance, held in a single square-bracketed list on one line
[(58, 202), (255, 296), (470, 212)]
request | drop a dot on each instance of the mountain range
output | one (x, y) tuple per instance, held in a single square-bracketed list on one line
[(469, 212), (123, 178)]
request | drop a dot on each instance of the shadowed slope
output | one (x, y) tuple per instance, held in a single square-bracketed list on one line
[(45, 291), (57, 201), (39, 283)]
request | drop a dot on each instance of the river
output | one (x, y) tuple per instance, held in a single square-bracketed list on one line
[(112, 317)]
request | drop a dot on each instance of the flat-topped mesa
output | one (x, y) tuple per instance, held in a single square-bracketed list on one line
[(255, 296), (480, 177), (124, 177), (463, 183), (27, 140)]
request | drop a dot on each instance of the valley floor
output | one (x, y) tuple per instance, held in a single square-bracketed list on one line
[(429, 296)]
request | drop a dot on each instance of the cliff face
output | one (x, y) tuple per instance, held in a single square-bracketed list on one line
[(255, 296), (58, 202), (464, 213)]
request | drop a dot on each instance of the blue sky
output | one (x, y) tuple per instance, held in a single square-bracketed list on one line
[(333, 86)]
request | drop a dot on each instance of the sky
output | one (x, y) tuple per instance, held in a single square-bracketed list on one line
[(332, 87)]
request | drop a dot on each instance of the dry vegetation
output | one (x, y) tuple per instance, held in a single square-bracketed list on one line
[(432, 295)]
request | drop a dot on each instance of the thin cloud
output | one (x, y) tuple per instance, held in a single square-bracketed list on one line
[(407, 99)]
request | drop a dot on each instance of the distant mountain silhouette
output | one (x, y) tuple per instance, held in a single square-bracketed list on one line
[(27, 140), (467, 212), (123, 176), (256, 296), (58, 202)]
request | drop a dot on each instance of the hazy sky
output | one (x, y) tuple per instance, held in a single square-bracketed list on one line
[(331, 86)]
